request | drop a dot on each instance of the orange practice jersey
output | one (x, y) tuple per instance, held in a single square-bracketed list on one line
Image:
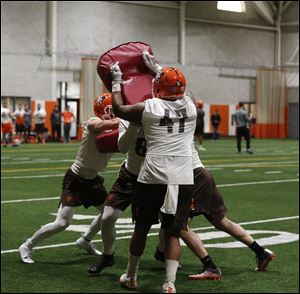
[(67, 116)]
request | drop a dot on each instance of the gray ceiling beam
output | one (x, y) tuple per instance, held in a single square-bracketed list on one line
[(286, 5), (273, 6), (291, 24), (159, 4), (232, 24), (263, 8)]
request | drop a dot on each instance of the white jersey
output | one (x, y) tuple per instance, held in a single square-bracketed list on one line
[(169, 128), (132, 141), (196, 159), (19, 113), (89, 161), (39, 116), (5, 115)]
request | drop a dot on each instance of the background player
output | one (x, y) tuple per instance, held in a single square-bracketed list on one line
[(6, 125)]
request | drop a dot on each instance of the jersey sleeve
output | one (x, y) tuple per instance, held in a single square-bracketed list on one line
[(126, 136)]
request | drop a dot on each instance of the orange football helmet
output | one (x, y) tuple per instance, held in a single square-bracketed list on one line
[(103, 106), (169, 82)]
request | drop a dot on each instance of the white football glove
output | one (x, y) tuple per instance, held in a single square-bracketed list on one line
[(116, 73), (151, 62)]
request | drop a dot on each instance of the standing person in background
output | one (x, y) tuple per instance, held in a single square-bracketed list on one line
[(215, 121), (39, 120), (199, 132), (55, 124), (27, 123), (6, 125), (242, 120), (68, 118), (19, 117)]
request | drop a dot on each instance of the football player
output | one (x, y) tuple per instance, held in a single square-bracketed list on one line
[(131, 141), (208, 201), (81, 184), (166, 176), (20, 127), (6, 125)]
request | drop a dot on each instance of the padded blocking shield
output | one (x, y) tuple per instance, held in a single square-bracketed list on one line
[(107, 142), (137, 77)]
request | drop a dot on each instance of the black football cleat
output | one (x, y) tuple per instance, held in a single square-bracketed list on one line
[(105, 261), (264, 259)]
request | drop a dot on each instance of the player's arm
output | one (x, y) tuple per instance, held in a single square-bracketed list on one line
[(247, 117), (151, 62), (191, 95), (128, 112), (97, 125), (12, 115), (126, 136)]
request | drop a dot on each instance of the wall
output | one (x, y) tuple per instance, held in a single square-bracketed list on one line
[(290, 42), (215, 55)]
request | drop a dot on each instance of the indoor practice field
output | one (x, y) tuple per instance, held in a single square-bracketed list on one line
[(260, 190)]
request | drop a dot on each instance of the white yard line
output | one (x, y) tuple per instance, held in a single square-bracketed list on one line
[(273, 172), (151, 234), (209, 167), (252, 163), (29, 200), (219, 186), (49, 176), (32, 177), (21, 158), (242, 170), (258, 183), (37, 161), (213, 168)]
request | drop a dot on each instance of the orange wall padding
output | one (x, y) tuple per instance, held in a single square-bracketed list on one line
[(224, 113), (270, 131), (32, 111), (274, 131), (49, 105)]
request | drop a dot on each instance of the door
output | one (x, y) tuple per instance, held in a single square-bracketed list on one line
[(293, 130), (74, 107)]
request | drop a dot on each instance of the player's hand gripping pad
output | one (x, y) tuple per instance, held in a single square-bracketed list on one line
[(107, 142), (137, 77)]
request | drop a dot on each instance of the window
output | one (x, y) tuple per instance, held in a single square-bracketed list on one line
[(235, 6)]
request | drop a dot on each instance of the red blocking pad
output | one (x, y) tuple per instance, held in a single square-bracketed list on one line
[(107, 142), (137, 77)]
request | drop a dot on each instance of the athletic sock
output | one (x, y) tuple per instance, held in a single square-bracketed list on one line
[(171, 269), (29, 244), (208, 262), (133, 265), (256, 248)]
